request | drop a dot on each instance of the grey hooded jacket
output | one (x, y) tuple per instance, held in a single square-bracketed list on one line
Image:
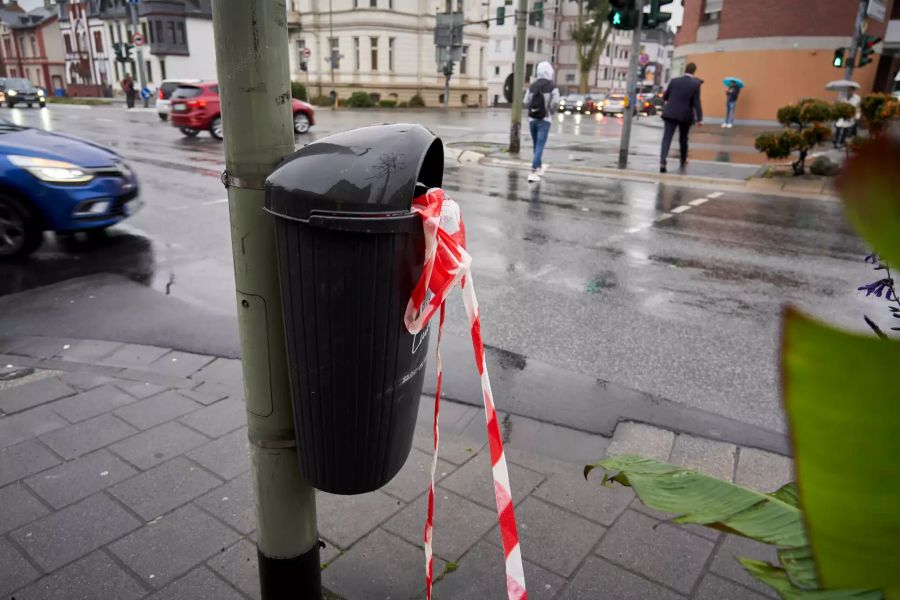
[(551, 100)]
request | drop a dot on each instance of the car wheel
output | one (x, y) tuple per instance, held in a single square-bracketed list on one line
[(29, 104), (43, 105), (301, 123), (215, 129), (10, 103), (188, 131), (163, 117), (20, 231)]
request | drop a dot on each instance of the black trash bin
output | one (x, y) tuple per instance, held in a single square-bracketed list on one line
[(349, 254)]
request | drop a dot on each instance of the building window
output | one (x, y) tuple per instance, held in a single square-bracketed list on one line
[(391, 54), (160, 37), (374, 41), (530, 46), (98, 41), (570, 77), (356, 54), (498, 45), (355, 3), (171, 28), (460, 5), (162, 68), (148, 68), (464, 60), (34, 51), (67, 40), (144, 31), (540, 46), (373, 3), (390, 4), (335, 52), (182, 33), (712, 11)]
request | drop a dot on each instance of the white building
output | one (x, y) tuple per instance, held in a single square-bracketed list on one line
[(387, 49)]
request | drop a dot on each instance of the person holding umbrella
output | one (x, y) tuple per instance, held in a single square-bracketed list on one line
[(733, 87), (845, 128)]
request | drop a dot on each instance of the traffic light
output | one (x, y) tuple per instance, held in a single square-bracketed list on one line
[(537, 13), (656, 16), (622, 14), (838, 60), (867, 45), (448, 69), (304, 66), (123, 51), (501, 15)]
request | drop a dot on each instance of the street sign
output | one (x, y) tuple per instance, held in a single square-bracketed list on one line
[(137, 39), (877, 10), (307, 53), (644, 59)]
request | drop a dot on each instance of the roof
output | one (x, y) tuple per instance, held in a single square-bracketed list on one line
[(31, 19)]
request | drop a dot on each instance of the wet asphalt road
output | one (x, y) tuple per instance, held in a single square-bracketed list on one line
[(673, 291)]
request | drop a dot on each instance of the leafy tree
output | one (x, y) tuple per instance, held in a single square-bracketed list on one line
[(590, 34), (360, 100), (804, 121), (298, 91)]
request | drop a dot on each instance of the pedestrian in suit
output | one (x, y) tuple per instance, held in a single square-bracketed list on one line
[(681, 110)]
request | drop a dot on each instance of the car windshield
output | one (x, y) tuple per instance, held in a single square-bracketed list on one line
[(186, 91), (616, 97), (167, 88), (18, 84), (574, 97)]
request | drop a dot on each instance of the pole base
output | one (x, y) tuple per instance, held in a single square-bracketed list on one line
[(298, 578)]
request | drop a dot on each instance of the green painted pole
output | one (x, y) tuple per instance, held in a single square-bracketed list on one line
[(254, 84), (515, 126)]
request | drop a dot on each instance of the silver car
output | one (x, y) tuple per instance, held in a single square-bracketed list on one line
[(614, 104), (164, 96)]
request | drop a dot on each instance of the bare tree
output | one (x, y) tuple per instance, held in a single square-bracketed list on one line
[(590, 34)]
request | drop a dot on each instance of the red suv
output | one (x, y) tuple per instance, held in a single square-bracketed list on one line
[(196, 107)]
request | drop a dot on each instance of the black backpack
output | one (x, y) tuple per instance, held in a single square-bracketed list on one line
[(537, 108)]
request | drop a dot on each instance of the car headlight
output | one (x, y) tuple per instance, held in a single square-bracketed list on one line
[(52, 171), (11, 93), (578, 103), (40, 92)]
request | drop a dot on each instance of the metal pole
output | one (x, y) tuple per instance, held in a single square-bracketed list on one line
[(332, 52), (135, 28), (252, 62), (447, 83), (515, 127), (631, 88), (854, 44)]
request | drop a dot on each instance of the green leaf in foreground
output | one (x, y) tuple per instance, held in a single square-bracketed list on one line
[(777, 579), (709, 501)]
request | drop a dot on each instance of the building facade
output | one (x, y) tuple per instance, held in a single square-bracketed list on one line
[(31, 47), (781, 49), (386, 49)]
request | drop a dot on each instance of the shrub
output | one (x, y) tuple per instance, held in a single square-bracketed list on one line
[(805, 131), (823, 165), (321, 101), (387, 103), (360, 100), (870, 107), (403, 104), (844, 110), (298, 91), (416, 102)]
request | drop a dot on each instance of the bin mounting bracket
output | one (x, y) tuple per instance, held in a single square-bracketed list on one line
[(246, 183)]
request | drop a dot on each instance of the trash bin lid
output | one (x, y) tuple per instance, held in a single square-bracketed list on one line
[(367, 170)]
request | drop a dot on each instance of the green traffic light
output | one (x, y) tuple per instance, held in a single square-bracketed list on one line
[(617, 18), (838, 61)]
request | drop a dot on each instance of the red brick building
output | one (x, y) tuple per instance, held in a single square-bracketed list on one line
[(31, 46), (781, 49)]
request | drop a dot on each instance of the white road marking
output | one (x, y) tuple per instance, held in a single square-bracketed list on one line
[(715, 194), (218, 201), (664, 217), (103, 119), (698, 201), (636, 229), (681, 209)]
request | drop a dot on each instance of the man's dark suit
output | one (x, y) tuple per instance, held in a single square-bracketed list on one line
[(682, 109)]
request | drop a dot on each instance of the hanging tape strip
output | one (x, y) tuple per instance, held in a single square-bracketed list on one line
[(446, 263)]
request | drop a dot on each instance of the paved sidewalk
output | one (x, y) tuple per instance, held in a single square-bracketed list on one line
[(124, 474)]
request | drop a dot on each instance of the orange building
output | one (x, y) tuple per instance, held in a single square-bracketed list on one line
[(781, 49)]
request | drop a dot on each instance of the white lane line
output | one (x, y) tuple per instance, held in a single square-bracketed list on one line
[(715, 194), (698, 201), (103, 119), (681, 209), (211, 202), (663, 218)]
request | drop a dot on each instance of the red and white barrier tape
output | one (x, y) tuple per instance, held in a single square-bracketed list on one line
[(446, 263)]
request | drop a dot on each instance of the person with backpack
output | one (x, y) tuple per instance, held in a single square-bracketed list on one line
[(541, 99)]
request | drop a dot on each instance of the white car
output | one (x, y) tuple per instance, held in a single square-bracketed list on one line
[(164, 96)]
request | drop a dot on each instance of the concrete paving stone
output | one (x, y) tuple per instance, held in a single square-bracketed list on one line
[(540, 464), (763, 471), (163, 488), (381, 566), (29, 424), (454, 449), (233, 503), (92, 403), (87, 436), (170, 381), (642, 440), (455, 417), (79, 478), (85, 380), (24, 459), (600, 579), (415, 476), (240, 566), (8, 343), (716, 588), (199, 584), (709, 457), (167, 547), (475, 480), (182, 364), (458, 523), (554, 441), (368, 510), (44, 347), (552, 537), (706, 532), (13, 377), (15, 571), (208, 393), (221, 370), (133, 356), (75, 531), (95, 577), (139, 389), (725, 562), (481, 574), (19, 506), (88, 351), (219, 418), (659, 551), (158, 445), (328, 553), (586, 497), (227, 457), (157, 409), (42, 391)]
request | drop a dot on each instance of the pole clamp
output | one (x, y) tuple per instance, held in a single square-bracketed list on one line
[(244, 183), (276, 444)]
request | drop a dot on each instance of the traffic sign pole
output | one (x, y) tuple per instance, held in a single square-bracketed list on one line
[(631, 89), (132, 7)]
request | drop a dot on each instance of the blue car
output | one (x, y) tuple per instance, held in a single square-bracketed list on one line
[(54, 182)]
